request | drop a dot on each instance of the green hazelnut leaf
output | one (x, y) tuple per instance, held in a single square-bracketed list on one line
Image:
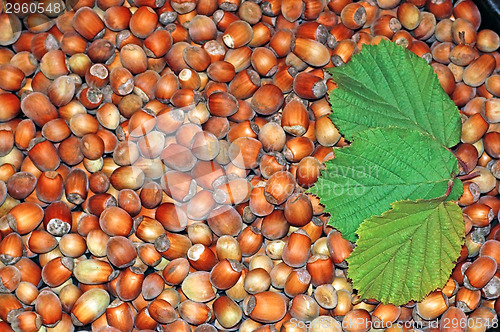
[(385, 86), (408, 251), (382, 166)]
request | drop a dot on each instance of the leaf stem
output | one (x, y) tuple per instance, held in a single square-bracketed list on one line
[(469, 176), (464, 166)]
